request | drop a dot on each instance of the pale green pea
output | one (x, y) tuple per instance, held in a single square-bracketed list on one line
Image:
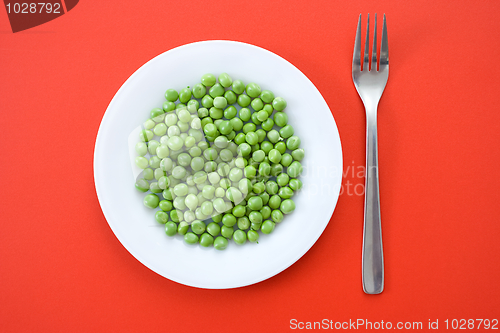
[(219, 205), (141, 162), (287, 206), (162, 151), (141, 148), (158, 173), (203, 112), (152, 145), (157, 114), (235, 174), (148, 173), (154, 188), (142, 185), (240, 162), (146, 135), (163, 182), (210, 166), (207, 208), (149, 124), (179, 172)]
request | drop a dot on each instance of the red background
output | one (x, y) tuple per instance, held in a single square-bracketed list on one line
[(61, 267)]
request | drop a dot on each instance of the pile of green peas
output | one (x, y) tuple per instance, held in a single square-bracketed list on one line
[(220, 162)]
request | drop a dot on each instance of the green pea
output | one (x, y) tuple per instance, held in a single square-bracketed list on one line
[(286, 160), (167, 194), (238, 86), (210, 129), (202, 112), (267, 124), (253, 236), (207, 101), (267, 96), (243, 223), (146, 135), (257, 105), (282, 179), (264, 169), (249, 127), (245, 114), (216, 113), (151, 201), (273, 136), (183, 227), (259, 187), (226, 231), (156, 114), (281, 147), (279, 103), (252, 138), (265, 198), (266, 147), (253, 90), (267, 227), (295, 184), (168, 106), (225, 80), (277, 215), (240, 237), (258, 155), (276, 169), (245, 149), (161, 217), (255, 203), (206, 240), (142, 185), (295, 169), (225, 127), (275, 201), (274, 156), (255, 226), (285, 192), (216, 90), (237, 123), (206, 120), (198, 227), (280, 119), (230, 112), (191, 238), (166, 205), (293, 142), (261, 134), (217, 218), (262, 116), (269, 109), (243, 101), (239, 138), (286, 131), (228, 220), (266, 212), (287, 206), (298, 154), (238, 211), (254, 118), (213, 229), (220, 243), (171, 95), (199, 90), (208, 80), (185, 95), (272, 187), (230, 97), (171, 228)]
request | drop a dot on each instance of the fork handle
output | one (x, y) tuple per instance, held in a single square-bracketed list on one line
[(373, 259)]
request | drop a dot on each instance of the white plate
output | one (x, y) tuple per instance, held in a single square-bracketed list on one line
[(135, 226)]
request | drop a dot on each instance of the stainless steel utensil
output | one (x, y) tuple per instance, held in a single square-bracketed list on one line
[(370, 85)]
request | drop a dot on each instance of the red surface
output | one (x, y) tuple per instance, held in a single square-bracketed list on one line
[(61, 267)]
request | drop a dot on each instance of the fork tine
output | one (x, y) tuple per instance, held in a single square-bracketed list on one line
[(384, 48), (374, 47), (356, 58), (366, 60)]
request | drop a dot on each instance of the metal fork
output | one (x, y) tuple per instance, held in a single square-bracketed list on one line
[(370, 85)]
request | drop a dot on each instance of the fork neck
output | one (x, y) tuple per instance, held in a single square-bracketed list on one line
[(371, 110)]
